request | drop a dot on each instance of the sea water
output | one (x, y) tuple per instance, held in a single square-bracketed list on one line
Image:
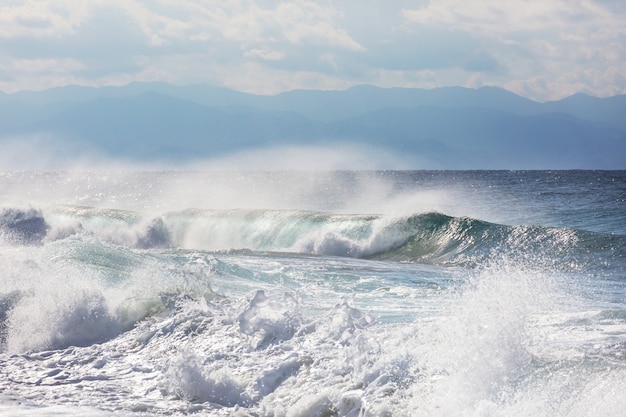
[(395, 293)]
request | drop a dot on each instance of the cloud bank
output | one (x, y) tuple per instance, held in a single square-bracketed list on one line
[(542, 50)]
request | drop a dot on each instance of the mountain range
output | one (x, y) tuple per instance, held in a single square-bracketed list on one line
[(442, 128)]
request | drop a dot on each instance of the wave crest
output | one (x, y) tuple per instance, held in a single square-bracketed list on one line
[(431, 237)]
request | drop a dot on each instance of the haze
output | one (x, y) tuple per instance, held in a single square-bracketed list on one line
[(528, 84)]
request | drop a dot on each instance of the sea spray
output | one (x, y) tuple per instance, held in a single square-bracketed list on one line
[(175, 293)]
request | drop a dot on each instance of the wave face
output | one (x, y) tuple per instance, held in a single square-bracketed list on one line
[(340, 294), (432, 237)]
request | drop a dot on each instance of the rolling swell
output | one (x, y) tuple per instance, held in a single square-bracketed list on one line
[(432, 237), (440, 239)]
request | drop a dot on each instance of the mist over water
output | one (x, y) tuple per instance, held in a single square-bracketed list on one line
[(312, 293)]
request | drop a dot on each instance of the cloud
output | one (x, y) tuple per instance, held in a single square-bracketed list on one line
[(243, 22), (265, 54), (41, 19), (549, 48), (543, 49), (490, 17), (129, 39), (47, 65)]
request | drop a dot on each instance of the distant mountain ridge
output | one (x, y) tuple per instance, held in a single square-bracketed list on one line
[(443, 128)]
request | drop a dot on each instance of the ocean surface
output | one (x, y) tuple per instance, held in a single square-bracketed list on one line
[(387, 293)]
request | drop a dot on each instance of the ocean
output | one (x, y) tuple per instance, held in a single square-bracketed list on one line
[(297, 293)]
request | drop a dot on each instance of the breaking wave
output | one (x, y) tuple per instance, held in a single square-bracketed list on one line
[(432, 237)]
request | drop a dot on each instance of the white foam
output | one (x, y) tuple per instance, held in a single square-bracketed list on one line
[(287, 335), (19, 408), (260, 355)]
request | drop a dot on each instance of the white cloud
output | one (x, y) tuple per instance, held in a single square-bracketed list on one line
[(544, 49), (266, 54), (492, 17), (47, 65), (299, 22), (254, 77), (41, 18), (546, 46)]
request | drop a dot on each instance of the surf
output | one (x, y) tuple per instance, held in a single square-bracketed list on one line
[(138, 294), (430, 237)]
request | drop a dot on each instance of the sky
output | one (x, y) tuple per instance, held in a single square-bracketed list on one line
[(541, 49)]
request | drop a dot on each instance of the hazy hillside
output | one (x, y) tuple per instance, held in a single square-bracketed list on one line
[(443, 128)]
